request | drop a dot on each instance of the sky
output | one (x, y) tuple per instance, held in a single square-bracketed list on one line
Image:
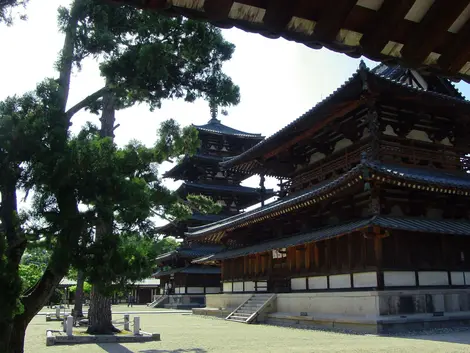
[(279, 80)]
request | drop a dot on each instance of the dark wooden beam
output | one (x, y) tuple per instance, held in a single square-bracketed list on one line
[(430, 30), (217, 10), (332, 18), (457, 52), (383, 25), (278, 14)]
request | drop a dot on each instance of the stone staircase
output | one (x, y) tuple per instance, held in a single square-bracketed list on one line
[(248, 312), (157, 301)]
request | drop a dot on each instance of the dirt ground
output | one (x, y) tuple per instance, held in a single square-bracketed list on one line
[(185, 333)]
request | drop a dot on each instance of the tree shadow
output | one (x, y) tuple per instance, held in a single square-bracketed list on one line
[(117, 348)]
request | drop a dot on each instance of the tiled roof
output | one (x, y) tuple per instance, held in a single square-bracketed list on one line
[(236, 189), (274, 206), (188, 160), (189, 252), (204, 218), (216, 127), (431, 177), (192, 269), (452, 227), (435, 177), (350, 89)]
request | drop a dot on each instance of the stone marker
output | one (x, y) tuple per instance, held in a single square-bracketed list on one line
[(69, 325), (126, 322), (57, 311), (136, 325)]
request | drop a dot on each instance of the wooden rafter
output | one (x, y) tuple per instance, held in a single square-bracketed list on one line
[(278, 14), (457, 52), (332, 18), (217, 10), (387, 19), (430, 30)]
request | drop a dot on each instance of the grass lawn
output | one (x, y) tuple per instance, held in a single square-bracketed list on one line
[(183, 333)]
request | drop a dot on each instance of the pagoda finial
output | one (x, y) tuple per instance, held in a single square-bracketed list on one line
[(214, 111), (362, 65)]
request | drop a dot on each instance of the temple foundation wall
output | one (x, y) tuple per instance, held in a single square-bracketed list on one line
[(363, 311)]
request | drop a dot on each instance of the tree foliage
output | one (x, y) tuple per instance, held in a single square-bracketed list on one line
[(7, 10), (143, 58)]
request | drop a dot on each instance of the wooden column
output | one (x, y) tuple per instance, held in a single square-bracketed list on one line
[(350, 262), (308, 254), (222, 270), (316, 256), (378, 258)]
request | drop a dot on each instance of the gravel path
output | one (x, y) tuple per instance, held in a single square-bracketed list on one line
[(183, 333)]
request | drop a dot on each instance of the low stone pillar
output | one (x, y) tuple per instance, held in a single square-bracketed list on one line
[(69, 325), (57, 312), (136, 325), (126, 322)]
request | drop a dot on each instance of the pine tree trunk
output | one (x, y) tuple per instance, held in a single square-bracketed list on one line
[(99, 314), (78, 307)]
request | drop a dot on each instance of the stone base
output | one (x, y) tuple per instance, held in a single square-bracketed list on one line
[(221, 313), (387, 311), (377, 325), (183, 306), (57, 337), (54, 318)]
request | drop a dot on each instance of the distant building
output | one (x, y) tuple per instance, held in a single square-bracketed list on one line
[(188, 283)]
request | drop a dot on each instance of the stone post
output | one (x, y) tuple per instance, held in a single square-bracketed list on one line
[(126, 322), (57, 311), (69, 325), (136, 325)]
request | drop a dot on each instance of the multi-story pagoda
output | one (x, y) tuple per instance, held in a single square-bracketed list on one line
[(202, 175), (374, 227)]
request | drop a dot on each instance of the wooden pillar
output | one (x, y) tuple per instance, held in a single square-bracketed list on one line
[(350, 262), (308, 255), (222, 270), (245, 266), (270, 263), (378, 249), (257, 264), (298, 254), (316, 256)]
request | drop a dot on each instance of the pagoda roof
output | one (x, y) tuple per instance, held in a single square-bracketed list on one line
[(431, 35), (187, 160), (351, 91), (189, 252), (192, 269), (417, 178), (233, 189), (195, 217), (452, 227), (214, 126)]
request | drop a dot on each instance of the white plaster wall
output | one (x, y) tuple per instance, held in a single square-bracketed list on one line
[(365, 279), (433, 278), (212, 290), (238, 286), (399, 278), (298, 283), (249, 286), (319, 282), (195, 290), (261, 286), (225, 300), (332, 303), (457, 278), (179, 290), (466, 276), (227, 287), (340, 281)]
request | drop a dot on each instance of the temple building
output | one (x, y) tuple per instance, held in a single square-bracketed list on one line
[(184, 283), (372, 231)]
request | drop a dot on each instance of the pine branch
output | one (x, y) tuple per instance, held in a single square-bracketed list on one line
[(85, 102)]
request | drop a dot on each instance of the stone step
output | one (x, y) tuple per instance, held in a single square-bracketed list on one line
[(234, 320), (239, 318), (246, 311), (242, 314)]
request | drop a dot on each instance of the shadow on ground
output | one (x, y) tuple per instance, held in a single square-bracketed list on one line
[(117, 348)]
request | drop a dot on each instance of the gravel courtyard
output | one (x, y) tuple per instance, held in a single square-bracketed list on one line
[(183, 333)]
